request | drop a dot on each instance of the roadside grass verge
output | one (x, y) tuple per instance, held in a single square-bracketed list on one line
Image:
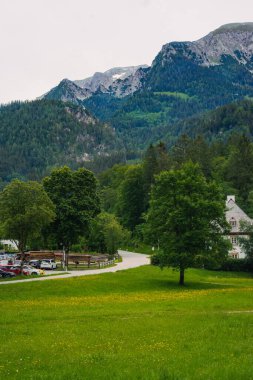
[(133, 324)]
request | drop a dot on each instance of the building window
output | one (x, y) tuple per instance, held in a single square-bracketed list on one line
[(233, 240), (232, 222)]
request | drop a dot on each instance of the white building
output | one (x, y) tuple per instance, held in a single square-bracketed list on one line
[(9, 244), (234, 215)]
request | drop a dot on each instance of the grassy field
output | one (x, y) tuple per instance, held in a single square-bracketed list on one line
[(135, 324)]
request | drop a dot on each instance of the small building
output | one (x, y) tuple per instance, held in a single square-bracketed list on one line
[(9, 245), (234, 215)]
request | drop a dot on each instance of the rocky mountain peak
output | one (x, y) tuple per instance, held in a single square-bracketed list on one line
[(234, 40), (235, 28), (68, 91), (118, 81), (110, 81)]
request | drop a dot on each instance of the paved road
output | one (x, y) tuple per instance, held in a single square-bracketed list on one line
[(130, 260)]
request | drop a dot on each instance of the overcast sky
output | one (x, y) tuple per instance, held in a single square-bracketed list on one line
[(44, 41)]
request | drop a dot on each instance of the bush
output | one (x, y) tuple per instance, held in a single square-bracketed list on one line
[(237, 265), (156, 259), (230, 265)]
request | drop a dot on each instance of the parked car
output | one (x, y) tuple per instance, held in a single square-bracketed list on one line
[(35, 263), (27, 270), (4, 262), (48, 264), (4, 274), (11, 269)]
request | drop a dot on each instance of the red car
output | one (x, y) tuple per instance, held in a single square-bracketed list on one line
[(15, 269), (11, 268)]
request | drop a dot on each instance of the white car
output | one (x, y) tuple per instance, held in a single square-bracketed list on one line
[(29, 270), (48, 264)]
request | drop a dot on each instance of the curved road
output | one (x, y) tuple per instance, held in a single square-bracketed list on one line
[(130, 260)]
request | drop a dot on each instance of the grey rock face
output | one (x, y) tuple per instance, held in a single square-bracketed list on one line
[(235, 40), (119, 81), (68, 91), (130, 84)]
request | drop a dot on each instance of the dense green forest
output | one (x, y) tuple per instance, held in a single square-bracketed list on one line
[(218, 124), (147, 118), (36, 136), (125, 189), (171, 92)]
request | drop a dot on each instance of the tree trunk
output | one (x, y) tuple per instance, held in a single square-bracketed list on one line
[(21, 249), (181, 280), (22, 257), (66, 257), (67, 260)]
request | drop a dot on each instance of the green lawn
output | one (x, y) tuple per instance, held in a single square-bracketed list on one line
[(135, 324)]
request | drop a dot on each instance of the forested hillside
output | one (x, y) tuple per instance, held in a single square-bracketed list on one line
[(217, 125), (36, 136), (149, 116)]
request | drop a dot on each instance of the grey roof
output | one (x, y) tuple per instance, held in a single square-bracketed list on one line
[(234, 212)]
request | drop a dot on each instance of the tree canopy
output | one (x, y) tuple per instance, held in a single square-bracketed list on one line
[(75, 196), (187, 215), (25, 209), (106, 234)]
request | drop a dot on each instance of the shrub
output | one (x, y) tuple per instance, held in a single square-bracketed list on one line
[(237, 265)]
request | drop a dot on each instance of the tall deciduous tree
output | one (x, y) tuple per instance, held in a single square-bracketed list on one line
[(107, 234), (25, 209), (75, 196), (187, 215)]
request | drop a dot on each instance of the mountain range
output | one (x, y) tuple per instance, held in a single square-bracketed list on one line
[(135, 106), (185, 79), (213, 56)]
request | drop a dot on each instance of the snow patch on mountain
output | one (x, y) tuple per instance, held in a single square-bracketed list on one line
[(110, 81)]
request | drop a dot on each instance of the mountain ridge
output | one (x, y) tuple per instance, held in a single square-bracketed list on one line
[(186, 79), (118, 82), (208, 50), (232, 42)]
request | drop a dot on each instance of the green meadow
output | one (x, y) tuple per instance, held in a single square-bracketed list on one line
[(134, 324)]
